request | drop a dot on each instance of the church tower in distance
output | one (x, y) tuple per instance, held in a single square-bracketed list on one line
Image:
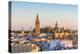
[(37, 25)]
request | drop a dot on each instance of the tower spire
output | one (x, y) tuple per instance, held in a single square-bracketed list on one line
[(56, 25), (37, 25), (37, 17)]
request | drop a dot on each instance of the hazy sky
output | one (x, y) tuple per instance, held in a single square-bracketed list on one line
[(24, 15)]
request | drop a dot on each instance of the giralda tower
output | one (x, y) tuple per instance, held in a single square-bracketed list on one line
[(37, 25)]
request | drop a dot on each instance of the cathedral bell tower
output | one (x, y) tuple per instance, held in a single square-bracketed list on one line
[(37, 25)]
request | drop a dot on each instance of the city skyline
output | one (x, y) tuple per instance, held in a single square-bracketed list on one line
[(37, 27), (24, 15)]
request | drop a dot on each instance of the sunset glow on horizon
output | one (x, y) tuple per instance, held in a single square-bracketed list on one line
[(24, 15)]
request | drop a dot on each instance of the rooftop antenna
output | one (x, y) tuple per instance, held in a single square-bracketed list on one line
[(22, 28)]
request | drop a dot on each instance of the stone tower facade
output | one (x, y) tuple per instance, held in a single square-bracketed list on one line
[(37, 25)]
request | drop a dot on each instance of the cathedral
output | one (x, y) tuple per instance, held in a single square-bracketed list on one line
[(37, 25)]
